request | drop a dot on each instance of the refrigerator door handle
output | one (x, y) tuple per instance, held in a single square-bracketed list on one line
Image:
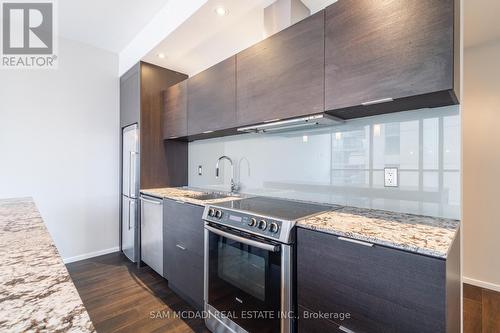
[(133, 174), (130, 173), (129, 202)]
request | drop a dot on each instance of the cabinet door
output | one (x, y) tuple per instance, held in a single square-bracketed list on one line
[(308, 323), (130, 100), (183, 235), (282, 76), (383, 290), (387, 49), (211, 98), (174, 116)]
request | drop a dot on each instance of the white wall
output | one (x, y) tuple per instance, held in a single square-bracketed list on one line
[(59, 143), (345, 164), (481, 165)]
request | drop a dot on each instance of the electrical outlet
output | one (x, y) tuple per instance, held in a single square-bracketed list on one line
[(391, 177), (200, 170)]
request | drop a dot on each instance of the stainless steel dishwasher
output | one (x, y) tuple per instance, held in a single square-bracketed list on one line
[(152, 232)]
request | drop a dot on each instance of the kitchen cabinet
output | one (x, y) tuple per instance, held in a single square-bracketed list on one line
[(152, 232), (310, 324), (282, 76), (211, 98), (183, 235), (376, 51), (130, 100), (174, 116), (383, 289)]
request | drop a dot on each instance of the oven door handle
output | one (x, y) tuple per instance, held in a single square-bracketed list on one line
[(251, 242)]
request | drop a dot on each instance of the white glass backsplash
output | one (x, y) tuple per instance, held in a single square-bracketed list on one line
[(345, 164)]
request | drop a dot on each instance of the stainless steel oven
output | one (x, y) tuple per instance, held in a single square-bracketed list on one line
[(247, 280), (249, 256)]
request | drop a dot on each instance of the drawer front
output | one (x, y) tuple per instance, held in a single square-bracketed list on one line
[(183, 224), (307, 323), (383, 289), (186, 275)]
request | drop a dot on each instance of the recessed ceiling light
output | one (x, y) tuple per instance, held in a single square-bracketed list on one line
[(221, 11), (161, 55)]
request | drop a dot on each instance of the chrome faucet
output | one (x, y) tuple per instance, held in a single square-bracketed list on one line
[(234, 187)]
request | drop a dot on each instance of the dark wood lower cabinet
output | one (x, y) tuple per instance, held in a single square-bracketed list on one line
[(375, 288), (310, 323), (183, 245)]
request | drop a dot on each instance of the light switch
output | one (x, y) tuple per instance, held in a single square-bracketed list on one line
[(391, 177), (200, 170)]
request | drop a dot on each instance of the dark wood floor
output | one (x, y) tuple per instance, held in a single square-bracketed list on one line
[(481, 310), (121, 298)]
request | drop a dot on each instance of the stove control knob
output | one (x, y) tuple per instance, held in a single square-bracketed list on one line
[(262, 224), (218, 214), (211, 212), (274, 228), (253, 222)]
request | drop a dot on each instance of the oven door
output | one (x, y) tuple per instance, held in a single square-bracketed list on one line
[(243, 279)]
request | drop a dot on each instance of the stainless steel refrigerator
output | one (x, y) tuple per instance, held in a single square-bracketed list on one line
[(130, 191)]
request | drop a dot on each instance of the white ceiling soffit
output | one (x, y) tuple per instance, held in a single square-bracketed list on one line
[(108, 24), (170, 16), (481, 22), (317, 5), (207, 38)]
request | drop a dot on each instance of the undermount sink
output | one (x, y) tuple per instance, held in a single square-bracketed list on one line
[(209, 196)]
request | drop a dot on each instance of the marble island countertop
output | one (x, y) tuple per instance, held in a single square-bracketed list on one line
[(36, 291), (415, 233), (186, 195)]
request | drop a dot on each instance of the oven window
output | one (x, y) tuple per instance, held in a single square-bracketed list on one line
[(242, 268), (245, 281)]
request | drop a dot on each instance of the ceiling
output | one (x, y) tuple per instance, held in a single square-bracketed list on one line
[(108, 24), (206, 38), (481, 22)]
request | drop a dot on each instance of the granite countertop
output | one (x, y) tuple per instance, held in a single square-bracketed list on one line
[(36, 291), (185, 195), (421, 234)]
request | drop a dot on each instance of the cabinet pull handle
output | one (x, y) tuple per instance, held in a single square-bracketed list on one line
[(345, 329), (151, 201), (355, 241), (377, 101), (180, 201), (180, 247)]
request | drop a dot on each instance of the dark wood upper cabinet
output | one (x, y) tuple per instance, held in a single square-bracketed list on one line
[(174, 116), (390, 49), (282, 76), (212, 98)]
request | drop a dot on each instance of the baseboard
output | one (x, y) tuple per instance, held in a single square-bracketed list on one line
[(91, 255), (482, 284)]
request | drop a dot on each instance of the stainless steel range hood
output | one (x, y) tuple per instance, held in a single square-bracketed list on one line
[(317, 120)]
